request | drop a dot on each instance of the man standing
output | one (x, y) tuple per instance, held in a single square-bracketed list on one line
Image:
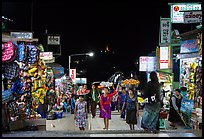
[(94, 99)]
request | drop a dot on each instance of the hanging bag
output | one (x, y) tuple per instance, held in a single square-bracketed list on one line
[(33, 54), (8, 51), (11, 70), (22, 52)]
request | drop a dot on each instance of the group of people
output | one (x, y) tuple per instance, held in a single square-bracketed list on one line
[(128, 105)]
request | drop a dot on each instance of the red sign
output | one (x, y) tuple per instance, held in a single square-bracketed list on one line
[(72, 74)]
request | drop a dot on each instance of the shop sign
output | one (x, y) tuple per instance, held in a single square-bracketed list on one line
[(50, 60), (22, 35), (165, 31), (46, 55), (177, 11), (193, 17), (143, 63), (81, 80), (189, 46), (164, 58), (147, 63), (72, 74), (53, 40)]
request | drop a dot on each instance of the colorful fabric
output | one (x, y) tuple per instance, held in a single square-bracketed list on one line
[(80, 114), (105, 103), (151, 116)]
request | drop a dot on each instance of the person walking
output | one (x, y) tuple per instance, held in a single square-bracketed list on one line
[(132, 108), (122, 94), (87, 97), (175, 105), (105, 108), (150, 118), (94, 99), (81, 113)]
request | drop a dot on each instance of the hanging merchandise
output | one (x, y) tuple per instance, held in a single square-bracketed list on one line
[(11, 70), (22, 52), (9, 52), (33, 53)]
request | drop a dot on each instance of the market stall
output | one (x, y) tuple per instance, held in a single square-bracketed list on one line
[(191, 75), (24, 85)]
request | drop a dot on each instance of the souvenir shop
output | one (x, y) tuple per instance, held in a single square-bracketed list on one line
[(24, 82), (191, 77)]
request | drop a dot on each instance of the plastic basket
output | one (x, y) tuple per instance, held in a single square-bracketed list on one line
[(59, 114)]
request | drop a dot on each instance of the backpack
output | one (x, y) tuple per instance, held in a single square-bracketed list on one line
[(33, 54)]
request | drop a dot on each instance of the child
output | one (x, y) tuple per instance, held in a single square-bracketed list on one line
[(81, 113)]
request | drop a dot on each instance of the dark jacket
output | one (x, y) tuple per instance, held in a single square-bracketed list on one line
[(151, 89)]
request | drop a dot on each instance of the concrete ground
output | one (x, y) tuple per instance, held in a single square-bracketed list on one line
[(65, 127)]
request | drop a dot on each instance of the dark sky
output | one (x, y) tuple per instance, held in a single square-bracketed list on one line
[(129, 28)]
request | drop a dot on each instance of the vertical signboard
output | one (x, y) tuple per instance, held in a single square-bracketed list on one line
[(72, 74), (165, 31), (164, 57)]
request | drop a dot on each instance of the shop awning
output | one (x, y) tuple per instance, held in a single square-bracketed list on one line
[(187, 55)]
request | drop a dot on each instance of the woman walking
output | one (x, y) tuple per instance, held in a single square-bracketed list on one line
[(81, 113), (150, 118), (105, 108), (132, 108)]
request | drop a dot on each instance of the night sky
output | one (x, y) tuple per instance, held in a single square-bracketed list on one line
[(129, 28)]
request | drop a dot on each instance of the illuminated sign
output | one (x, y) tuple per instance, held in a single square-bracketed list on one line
[(164, 58), (53, 40), (193, 17), (147, 63), (165, 31), (72, 74), (177, 11), (22, 35), (46, 55)]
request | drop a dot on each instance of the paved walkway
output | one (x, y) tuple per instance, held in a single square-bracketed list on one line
[(65, 127)]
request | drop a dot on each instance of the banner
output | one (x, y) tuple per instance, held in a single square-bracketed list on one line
[(165, 31), (189, 46)]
